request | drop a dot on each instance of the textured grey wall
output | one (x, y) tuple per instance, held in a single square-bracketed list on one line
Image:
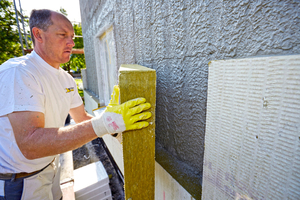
[(95, 15), (178, 39)]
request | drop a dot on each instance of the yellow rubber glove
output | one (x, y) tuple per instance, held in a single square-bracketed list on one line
[(118, 118)]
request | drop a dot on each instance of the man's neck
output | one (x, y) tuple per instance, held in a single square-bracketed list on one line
[(44, 56)]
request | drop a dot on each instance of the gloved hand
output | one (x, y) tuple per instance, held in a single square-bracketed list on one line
[(118, 118)]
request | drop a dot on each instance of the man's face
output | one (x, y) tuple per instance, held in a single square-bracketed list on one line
[(58, 41)]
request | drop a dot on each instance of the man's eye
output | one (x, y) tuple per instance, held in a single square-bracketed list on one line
[(62, 34)]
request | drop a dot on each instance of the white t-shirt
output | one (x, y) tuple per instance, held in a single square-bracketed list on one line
[(28, 83)]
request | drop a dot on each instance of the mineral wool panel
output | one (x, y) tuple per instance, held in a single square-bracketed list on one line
[(105, 198), (139, 145), (100, 196), (89, 178), (99, 192), (252, 140)]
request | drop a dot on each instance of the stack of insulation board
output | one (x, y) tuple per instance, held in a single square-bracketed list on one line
[(91, 182)]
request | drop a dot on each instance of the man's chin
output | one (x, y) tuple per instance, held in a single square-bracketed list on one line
[(65, 60)]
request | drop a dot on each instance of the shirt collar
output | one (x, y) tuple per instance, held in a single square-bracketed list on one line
[(43, 63)]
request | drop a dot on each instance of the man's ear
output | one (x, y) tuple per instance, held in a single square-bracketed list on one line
[(37, 34)]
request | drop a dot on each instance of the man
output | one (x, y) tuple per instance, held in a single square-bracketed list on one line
[(36, 96)]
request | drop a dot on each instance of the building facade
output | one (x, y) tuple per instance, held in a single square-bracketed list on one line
[(178, 39)]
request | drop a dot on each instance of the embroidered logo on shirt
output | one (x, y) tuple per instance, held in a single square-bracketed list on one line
[(69, 89)]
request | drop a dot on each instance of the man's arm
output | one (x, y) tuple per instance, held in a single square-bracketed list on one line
[(79, 114), (35, 141)]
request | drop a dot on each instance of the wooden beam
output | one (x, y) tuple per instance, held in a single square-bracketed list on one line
[(139, 145), (77, 51)]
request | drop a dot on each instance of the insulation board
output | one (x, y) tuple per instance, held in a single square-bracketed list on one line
[(139, 145), (252, 140), (91, 181)]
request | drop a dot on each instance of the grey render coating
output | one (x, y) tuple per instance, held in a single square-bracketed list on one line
[(178, 39)]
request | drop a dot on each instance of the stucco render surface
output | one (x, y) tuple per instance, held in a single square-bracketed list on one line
[(95, 15), (178, 39)]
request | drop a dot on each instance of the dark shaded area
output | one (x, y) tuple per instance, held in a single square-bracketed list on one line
[(81, 158), (188, 178)]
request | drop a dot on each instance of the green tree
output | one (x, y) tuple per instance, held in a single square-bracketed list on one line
[(9, 36), (77, 61), (63, 11)]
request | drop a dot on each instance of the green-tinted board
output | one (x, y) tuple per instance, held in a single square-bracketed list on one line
[(139, 145)]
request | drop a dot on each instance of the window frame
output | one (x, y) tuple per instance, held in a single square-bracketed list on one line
[(107, 73)]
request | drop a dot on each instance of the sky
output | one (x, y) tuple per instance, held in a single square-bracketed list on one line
[(71, 6)]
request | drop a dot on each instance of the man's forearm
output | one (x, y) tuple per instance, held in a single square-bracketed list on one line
[(44, 142)]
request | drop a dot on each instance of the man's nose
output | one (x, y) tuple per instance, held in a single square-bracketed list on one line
[(71, 42)]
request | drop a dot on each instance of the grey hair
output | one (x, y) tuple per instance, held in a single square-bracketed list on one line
[(40, 19)]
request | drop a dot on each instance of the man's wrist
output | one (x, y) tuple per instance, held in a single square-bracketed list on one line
[(99, 126)]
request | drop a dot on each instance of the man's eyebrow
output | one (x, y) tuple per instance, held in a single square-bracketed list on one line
[(65, 31), (61, 30)]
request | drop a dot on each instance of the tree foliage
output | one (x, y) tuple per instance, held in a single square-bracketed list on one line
[(9, 36), (63, 11), (77, 61)]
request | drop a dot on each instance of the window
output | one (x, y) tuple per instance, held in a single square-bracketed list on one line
[(107, 69)]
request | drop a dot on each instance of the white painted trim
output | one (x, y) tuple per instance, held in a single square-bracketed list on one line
[(98, 69), (101, 65), (91, 102)]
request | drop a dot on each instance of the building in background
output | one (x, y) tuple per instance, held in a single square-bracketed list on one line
[(178, 39)]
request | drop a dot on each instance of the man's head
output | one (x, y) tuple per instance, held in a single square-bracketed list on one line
[(40, 19), (52, 34)]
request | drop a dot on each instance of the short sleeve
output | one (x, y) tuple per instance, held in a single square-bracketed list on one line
[(20, 91), (76, 100)]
